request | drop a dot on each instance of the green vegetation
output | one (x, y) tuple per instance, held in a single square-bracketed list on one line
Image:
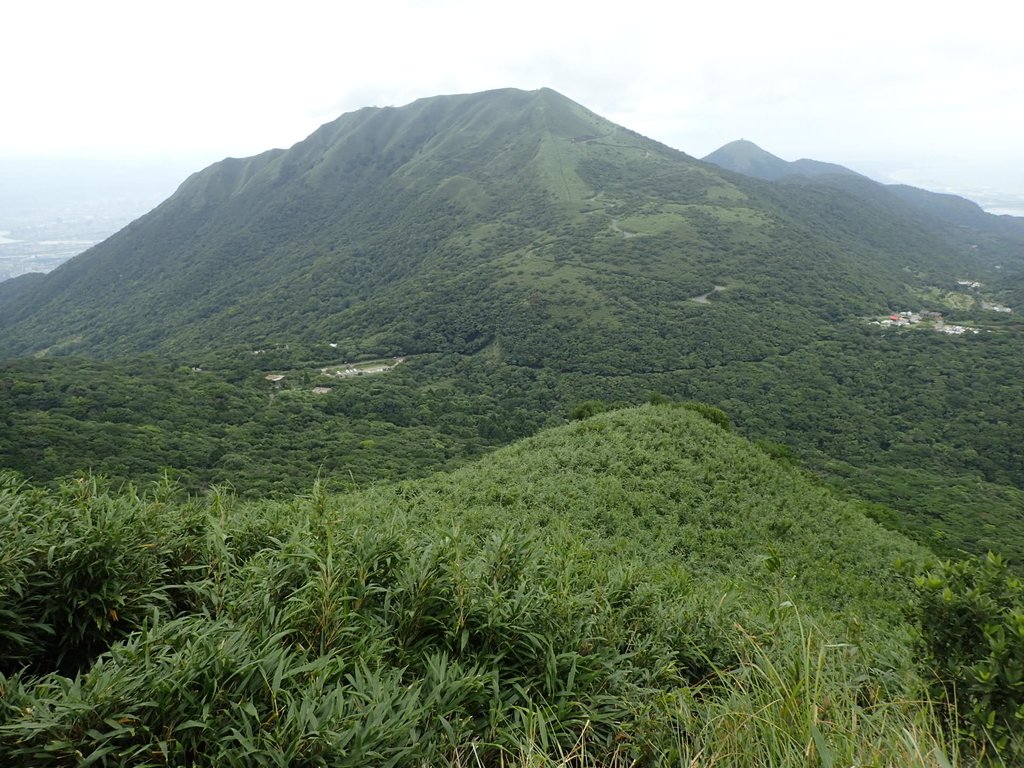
[(229, 425), (641, 587), (533, 256), (972, 621), (749, 159), (507, 217), (934, 296), (923, 425), (957, 217)]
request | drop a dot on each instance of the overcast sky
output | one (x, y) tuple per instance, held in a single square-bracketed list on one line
[(925, 92)]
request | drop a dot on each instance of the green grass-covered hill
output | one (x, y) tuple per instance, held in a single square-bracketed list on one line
[(410, 288), (513, 218), (641, 587)]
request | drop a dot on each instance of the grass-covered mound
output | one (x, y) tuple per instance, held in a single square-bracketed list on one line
[(664, 489), (638, 588)]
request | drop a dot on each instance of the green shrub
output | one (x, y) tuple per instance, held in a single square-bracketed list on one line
[(972, 633), (588, 599), (587, 409), (84, 567), (715, 415)]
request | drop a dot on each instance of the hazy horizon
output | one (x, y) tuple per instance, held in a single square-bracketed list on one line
[(892, 85)]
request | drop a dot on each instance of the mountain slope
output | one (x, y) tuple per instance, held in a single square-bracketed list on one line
[(957, 210), (515, 220), (361, 203), (13, 287), (542, 256)]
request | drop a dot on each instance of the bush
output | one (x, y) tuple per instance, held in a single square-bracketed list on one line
[(715, 415), (587, 409), (83, 568), (972, 635)]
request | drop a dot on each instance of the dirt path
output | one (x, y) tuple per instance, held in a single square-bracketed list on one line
[(626, 235), (705, 298)]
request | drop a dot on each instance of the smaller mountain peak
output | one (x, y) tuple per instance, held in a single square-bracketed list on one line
[(744, 147), (742, 144), (743, 156)]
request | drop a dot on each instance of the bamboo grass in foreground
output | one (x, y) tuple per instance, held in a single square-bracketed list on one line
[(415, 625)]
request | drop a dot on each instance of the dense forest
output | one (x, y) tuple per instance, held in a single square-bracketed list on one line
[(920, 423)]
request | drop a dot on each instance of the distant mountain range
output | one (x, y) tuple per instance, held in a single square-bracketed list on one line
[(501, 217), (745, 157)]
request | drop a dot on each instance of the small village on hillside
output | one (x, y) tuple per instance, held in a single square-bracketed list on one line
[(934, 320), (347, 370), (342, 371)]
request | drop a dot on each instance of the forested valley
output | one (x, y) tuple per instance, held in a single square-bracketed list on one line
[(923, 425)]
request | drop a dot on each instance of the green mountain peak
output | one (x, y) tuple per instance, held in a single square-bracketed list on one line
[(746, 157), (514, 220)]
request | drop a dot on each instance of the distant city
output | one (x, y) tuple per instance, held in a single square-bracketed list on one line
[(43, 240), (54, 208)]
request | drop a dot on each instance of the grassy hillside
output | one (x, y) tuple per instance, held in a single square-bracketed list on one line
[(531, 263), (640, 587), (512, 217)]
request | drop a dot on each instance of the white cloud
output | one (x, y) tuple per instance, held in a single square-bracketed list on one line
[(870, 79)]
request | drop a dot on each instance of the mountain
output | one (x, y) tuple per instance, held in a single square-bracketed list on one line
[(746, 157), (946, 210), (958, 210), (634, 586), (514, 220)]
